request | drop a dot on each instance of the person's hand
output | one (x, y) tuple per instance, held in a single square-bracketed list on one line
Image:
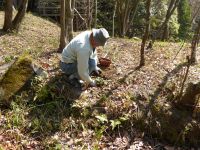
[(91, 84), (98, 71)]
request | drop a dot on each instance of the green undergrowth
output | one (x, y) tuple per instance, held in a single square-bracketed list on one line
[(55, 108)]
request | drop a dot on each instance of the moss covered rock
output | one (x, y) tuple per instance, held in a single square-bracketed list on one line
[(15, 78), (191, 96), (175, 125)]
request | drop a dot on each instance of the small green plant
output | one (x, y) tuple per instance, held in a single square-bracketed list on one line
[(99, 132), (8, 59), (42, 94), (35, 125), (42, 91), (102, 118), (115, 123), (100, 81)]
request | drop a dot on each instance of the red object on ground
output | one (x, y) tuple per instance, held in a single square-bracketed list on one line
[(104, 62)]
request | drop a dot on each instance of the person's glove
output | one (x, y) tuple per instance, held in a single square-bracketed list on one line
[(91, 84)]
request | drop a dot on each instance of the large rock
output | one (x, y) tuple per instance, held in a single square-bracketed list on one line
[(191, 99), (14, 79)]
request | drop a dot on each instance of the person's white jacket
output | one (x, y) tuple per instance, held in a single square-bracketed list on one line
[(79, 50)]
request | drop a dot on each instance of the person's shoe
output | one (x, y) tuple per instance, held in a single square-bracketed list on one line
[(76, 83), (73, 76)]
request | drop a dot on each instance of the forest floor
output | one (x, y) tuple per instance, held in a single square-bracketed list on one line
[(53, 114)]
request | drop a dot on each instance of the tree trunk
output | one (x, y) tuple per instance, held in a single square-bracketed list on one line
[(146, 33), (171, 8), (62, 26), (8, 15), (95, 18), (136, 2), (66, 21), (89, 16), (165, 35), (126, 17), (113, 30), (20, 15), (125, 13), (195, 42), (69, 19)]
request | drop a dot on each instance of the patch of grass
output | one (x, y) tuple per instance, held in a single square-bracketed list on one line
[(8, 59), (15, 118), (161, 44)]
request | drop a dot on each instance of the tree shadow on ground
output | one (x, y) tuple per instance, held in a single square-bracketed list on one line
[(160, 87), (167, 121), (2, 32), (163, 120), (52, 106)]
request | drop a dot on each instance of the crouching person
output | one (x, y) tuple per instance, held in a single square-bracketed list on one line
[(79, 57)]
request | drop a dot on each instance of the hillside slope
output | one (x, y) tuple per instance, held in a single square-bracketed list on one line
[(35, 36), (53, 114)]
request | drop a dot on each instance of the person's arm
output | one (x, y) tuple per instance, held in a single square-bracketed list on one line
[(94, 56), (83, 68)]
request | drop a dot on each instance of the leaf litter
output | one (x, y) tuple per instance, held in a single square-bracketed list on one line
[(119, 86)]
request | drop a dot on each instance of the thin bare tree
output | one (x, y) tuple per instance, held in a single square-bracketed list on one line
[(8, 15), (195, 42), (165, 25), (146, 33), (95, 16), (20, 15), (66, 22), (14, 24), (114, 12), (69, 19), (62, 26), (89, 13), (125, 13)]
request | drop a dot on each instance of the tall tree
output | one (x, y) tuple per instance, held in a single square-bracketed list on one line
[(14, 24), (165, 25), (114, 12), (184, 18), (195, 42), (66, 22), (20, 15), (89, 19), (8, 15), (62, 26), (146, 33), (125, 13), (96, 10), (69, 18)]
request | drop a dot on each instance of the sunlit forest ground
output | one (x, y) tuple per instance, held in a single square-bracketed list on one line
[(130, 108)]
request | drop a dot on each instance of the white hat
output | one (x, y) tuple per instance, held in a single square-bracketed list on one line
[(100, 36)]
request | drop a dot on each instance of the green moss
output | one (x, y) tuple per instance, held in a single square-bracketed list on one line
[(15, 78)]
